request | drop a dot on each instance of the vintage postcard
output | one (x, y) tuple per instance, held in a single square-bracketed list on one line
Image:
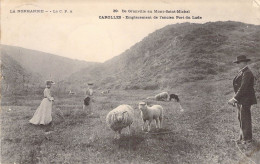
[(120, 81)]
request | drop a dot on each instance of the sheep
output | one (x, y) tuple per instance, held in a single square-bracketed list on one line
[(149, 114), (164, 96), (119, 118), (160, 97), (174, 96), (71, 93), (105, 92)]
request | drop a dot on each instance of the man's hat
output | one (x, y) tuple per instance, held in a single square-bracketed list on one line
[(49, 82), (241, 58)]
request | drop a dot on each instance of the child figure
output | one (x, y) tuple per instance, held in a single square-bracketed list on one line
[(88, 100)]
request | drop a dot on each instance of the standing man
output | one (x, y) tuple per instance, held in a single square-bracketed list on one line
[(244, 97)]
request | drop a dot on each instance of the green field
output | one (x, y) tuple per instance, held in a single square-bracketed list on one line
[(203, 133)]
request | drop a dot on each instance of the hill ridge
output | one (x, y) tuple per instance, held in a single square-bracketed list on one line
[(176, 54), (45, 64)]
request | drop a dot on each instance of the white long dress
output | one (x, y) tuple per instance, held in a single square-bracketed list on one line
[(43, 112)]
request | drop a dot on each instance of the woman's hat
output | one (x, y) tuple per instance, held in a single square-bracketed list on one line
[(241, 58), (49, 82)]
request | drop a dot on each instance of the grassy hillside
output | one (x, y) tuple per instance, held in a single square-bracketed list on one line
[(26, 71), (47, 65), (176, 54), (173, 55), (15, 79)]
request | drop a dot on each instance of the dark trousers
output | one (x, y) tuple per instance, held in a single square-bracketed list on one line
[(245, 121)]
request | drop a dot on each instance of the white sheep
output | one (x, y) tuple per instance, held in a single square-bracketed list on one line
[(164, 96), (105, 92), (149, 114), (72, 93), (119, 118)]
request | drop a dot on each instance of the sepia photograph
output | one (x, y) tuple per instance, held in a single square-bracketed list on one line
[(131, 82)]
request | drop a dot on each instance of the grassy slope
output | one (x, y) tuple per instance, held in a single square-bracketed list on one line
[(16, 79), (177, 54), (81, 139)]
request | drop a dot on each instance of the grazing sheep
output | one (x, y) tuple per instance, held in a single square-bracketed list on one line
[(72, 93), (149, 114), (119, 118), (105, 92), (164, 96), (160, 97), (174, 96)]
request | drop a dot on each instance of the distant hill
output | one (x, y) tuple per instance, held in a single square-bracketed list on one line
[(25, 70), (15, 79), (48, 66), (177, 54)]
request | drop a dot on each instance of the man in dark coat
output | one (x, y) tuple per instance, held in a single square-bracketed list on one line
[(244, 97)]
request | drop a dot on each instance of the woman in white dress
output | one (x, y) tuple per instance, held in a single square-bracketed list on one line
[(42, 116)]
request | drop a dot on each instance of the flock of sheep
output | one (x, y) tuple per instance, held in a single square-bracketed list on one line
[(122, 116)]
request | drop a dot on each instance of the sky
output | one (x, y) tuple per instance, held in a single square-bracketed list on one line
[(81, 34)]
